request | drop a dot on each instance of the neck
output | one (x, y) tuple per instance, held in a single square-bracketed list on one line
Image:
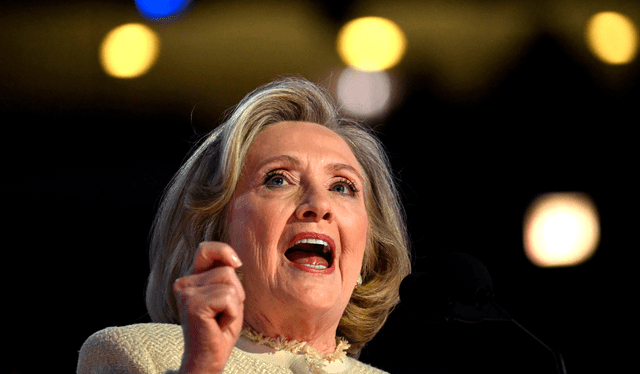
[(322, 339)]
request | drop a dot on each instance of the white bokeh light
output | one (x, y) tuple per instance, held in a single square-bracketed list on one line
[(561, 229), (364, 94)]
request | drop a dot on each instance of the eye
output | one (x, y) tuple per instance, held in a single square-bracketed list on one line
[(345, 186), (340, 188), (275, 178)]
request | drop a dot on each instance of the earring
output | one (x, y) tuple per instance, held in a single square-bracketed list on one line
[(359, 282)]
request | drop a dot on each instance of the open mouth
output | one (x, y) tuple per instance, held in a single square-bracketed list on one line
[(311, 253)]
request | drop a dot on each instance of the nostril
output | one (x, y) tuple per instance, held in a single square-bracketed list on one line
[(311, 214), (314, 211)]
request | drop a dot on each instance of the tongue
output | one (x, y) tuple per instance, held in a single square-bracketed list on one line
[(304, 257)]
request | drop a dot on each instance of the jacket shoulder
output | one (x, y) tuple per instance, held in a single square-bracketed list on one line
[(148, 348)]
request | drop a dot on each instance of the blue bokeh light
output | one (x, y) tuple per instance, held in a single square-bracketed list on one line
[(161, 9)]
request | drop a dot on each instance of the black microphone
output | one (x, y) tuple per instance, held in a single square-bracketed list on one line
[(458, 288)]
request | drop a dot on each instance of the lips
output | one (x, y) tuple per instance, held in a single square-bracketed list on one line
[(311, 252)]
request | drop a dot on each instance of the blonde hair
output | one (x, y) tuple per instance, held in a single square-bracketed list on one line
[(193, 208)]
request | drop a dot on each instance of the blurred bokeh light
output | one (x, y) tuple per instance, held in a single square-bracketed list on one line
[(561, 229), (462, 48), (161, 9), (371, 43), (364, 94), (467, 70), (612, 37), (129, 51)]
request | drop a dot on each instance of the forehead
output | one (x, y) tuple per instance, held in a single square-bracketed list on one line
[(301, 140)]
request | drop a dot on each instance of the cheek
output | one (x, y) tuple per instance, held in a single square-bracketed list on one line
[(356, 241), (254, 233), (241, 220), (361, 226)]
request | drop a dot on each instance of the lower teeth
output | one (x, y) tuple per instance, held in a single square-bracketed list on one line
[(317, 267)]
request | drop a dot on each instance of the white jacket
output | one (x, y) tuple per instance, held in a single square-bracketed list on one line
[(155, 348)]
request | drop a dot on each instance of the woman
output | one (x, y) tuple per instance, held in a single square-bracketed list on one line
[(279, 247)]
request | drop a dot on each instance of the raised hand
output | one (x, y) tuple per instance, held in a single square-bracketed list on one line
[(211, 304)]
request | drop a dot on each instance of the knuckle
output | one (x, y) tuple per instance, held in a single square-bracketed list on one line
[(178, 285), (228, 272), (191, 303), (189, 293), (183, 292), (241, 295), (202, 249), (230, 294)]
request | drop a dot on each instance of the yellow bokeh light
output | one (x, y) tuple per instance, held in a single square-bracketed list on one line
[(561, 229), (129, 51), (371, 43), (612, 37)]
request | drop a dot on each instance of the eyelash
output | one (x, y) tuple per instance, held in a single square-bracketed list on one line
[(352, 186), (274, 173), (279, 173)]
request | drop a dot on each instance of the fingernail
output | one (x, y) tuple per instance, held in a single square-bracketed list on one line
[(236, 260)]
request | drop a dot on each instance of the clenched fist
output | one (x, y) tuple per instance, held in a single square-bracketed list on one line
[(211, 304)]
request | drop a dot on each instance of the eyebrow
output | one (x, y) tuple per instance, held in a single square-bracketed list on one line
[(296, 162), (277, 159), (340, 166)]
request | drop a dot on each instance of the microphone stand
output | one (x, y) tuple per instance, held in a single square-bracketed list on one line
[(491, 311), (560, 368), (460, 288)]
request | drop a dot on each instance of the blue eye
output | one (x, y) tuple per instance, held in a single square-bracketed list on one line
[(340, 188), (345, 186), (275, 178), (277, 181)]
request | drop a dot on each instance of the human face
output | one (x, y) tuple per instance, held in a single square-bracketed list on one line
[(300, 181)]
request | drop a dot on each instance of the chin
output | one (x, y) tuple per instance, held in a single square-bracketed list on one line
[(315, 297)]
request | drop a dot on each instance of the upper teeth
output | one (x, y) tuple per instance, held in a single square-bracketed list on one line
[(325, 245)]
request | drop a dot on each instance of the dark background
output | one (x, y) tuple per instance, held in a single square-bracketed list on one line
[(87, 157)]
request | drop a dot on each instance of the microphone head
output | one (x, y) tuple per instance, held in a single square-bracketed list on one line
[(457, 279), (468, 280), (422, 294)]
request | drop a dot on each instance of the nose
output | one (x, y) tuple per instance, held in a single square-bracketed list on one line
[(315, 206)]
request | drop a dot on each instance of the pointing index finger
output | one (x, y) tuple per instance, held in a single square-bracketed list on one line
[(214, 254)]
